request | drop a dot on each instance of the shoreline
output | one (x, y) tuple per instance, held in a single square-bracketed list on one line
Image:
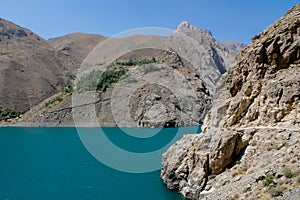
[(50, 125), (72, 125)]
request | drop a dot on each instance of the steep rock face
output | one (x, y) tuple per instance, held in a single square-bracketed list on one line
[(211, 58), (168, 104), (250, 142), (227, 51), (265, 84)]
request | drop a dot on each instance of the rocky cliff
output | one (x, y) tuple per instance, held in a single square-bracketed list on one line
[(250, 146), (174, 90), (227, 51)]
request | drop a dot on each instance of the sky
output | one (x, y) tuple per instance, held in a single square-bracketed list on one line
[(229, 20)]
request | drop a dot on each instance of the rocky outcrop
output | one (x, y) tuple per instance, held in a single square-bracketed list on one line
[(265, 84), (250, 146), (189, 163)]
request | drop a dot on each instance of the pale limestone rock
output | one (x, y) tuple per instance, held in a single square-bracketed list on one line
[(251, 136)]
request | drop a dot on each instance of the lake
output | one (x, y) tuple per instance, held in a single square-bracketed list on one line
[(55, 163)]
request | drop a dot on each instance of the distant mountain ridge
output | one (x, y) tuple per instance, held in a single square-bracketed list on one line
[(209, 59), (78, 45)]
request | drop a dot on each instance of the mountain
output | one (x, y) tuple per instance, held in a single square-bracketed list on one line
[(30, 69), (226, 50), (169, 81), (210, 57), (250, 145), (77, 45)]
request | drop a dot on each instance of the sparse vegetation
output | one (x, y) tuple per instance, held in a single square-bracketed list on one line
[(51, 102), (109, 77), (298, 179), (268, 179), (100, 81), (150, 68), (88, 81), (6, 114), (59, 99), (131, 80), (100, 63), (287, 172), (137, 62), (69, 89), (277, 190)]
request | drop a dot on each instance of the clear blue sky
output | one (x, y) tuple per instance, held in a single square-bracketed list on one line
[(231, 20)]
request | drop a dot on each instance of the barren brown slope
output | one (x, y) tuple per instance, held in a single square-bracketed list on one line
[(30, 69), (77, 45)]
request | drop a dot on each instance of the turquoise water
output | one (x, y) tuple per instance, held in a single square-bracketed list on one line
[(52, 163)]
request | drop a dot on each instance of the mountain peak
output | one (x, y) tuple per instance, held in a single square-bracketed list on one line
[(186, 28), (185, 25)]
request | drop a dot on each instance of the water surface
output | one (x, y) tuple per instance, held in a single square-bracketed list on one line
[(52, 163)]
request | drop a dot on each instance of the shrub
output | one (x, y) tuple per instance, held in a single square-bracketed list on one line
[(128, 63), (69, 89), (6, 114), (268, 179), (109, 77), (98, 80), (137, 62), (287, 172), (276, 191), (88, 81), (57, 99), (47, 104)]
